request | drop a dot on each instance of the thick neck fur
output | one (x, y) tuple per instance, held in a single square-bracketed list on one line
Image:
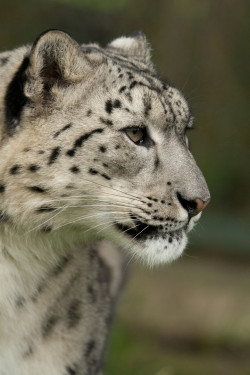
[(56, 301)]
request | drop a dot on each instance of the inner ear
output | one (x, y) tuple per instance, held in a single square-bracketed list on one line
[(51, 74)]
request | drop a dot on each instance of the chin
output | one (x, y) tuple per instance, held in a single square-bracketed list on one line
[(156, 250)]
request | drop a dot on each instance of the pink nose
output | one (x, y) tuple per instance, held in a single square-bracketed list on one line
[(193, 207), (200, 205)]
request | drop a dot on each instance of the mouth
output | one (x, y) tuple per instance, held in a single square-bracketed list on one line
[(152, 245), (144, 231)]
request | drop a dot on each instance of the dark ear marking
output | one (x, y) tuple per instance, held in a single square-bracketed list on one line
[(15, 99)]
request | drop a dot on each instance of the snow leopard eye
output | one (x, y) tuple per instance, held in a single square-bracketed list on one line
[(136, 134)]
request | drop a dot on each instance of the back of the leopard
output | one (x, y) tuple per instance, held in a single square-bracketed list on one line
[(94, 157)]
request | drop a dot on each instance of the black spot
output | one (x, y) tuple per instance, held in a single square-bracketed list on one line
[(105, 176), (69, 186), (117, 104), (149, 204), (106, 121), (74, 169), (169, 204), (168, 183), (71, 152), (33, 168), (123, 88), (120, 75), (15, 169), (108, 106), (37, 189), (40, 152), (117, 147), (45, 209), (48, 325), (89, 113), (133, 84), (2, 188), (15, 99), (162, 201), (92, 171), (105, 165), (102, 148), (130, 75), (170, 239), (74, 313), (54, 155), (66, 127), (79, 142)]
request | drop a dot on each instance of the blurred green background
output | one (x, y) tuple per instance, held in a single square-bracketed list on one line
[(193, 317)]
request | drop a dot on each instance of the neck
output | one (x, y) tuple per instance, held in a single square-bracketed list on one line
[(55, 302)]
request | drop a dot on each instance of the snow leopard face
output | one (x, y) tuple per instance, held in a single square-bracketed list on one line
[(94, 146)]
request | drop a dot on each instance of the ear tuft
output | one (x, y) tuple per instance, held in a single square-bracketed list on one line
[(134, 46)]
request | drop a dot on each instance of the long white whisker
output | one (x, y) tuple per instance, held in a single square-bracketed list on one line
[(107, 222), (100, 205), (60, 209), (91, 216), (140, 232), (109, 187), (124, 221)]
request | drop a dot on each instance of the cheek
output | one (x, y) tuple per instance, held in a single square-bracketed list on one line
[(121, 159)]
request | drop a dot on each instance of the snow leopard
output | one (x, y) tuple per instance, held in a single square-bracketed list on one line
[(95, 171)]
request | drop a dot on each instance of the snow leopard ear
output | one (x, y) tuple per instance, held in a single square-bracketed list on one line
[(136, 46), (56, 58)]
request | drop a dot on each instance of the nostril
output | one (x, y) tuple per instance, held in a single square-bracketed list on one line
[(193, 207)]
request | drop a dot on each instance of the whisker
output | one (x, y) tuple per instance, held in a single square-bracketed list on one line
[(101, 205), (60, 209), (109, 187), (91, 216), (140, 232)]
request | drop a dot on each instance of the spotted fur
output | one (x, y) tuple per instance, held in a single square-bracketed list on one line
[(76, 186)]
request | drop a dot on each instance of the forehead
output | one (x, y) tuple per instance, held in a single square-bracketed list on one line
[(146, 96)]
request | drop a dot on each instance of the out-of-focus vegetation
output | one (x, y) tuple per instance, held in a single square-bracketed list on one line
[(202, 46)]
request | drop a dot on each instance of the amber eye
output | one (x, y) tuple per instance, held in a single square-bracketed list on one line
[(136, 135)]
